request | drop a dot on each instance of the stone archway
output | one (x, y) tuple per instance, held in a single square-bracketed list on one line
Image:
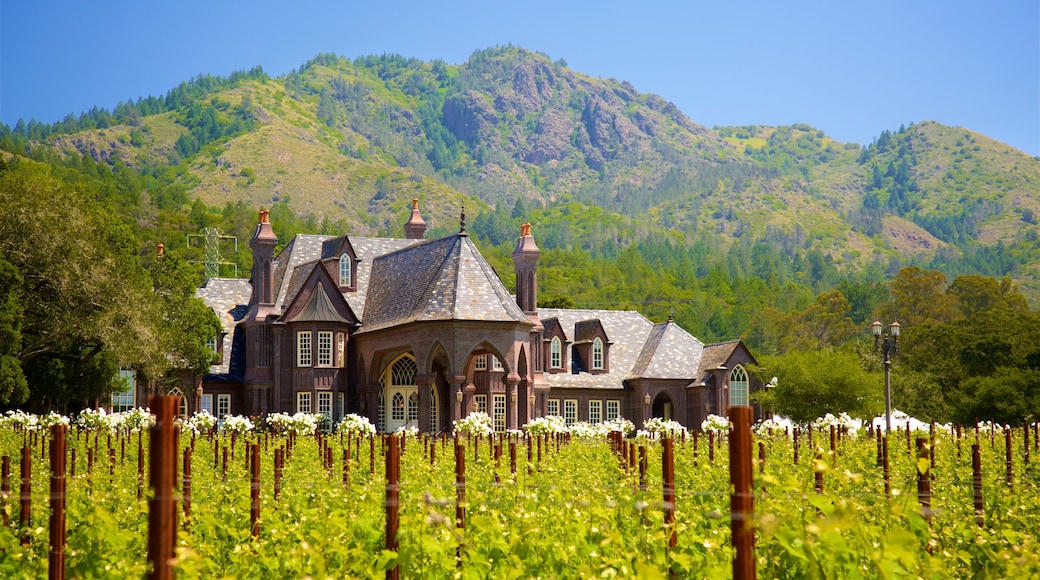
[(663, 407)]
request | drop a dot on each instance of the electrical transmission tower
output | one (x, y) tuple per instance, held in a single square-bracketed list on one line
[(213, 261)]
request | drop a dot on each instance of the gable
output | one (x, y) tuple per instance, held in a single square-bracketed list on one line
[(318, 299)]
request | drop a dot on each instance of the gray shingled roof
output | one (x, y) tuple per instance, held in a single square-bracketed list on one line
[(319, 308), (626, 328), (228, 298), (445, 279), (669, 353), (300, 250)]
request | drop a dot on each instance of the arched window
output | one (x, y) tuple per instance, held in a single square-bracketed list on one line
[(556, 353), (738, 387), (597, 354), (182, 408), (403, 372), (397, 407), (381, 420), (344, 270), (433, 409)]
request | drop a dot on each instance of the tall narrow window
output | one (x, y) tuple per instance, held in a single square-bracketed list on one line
[(381, 417), (613, 409), (433, 409), (223, 406), (206, 404), (341, 349), (499, 417), (597, 354), (556, 353), (496, 365), (125, 399), (738, 387), (552, 407), (480, 404), (342, 404), (595, 412), (480, 363), (397, 407), (570, 411), (324, 348), (303, 402), (325, 404), (344, 271), (303, 348), (413, 407)]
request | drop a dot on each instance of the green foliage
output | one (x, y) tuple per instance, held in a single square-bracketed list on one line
[(814, 383)]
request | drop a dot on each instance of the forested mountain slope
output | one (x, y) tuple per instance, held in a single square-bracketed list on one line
[(608, 175)]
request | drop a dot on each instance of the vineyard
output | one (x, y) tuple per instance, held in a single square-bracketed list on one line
[(264, 505)]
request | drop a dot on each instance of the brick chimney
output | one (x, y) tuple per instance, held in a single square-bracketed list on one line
[(416, 226), (525, 264), (263, 244)]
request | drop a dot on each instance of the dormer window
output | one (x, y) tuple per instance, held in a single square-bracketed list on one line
[(556, 353), (346, 278), (597, 354), (496, 365)]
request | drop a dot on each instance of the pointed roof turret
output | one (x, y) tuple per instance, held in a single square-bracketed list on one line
[(525, 265), (416, 226)]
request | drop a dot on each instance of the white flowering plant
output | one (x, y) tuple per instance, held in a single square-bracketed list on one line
[(202, 422), (620, 424), (93, 420), (476, 423), (237, 424), (716, 424), (548, 425), (407, 431), (134, 420), (659, 427), (356, 425), (21, 420), (299, 423)]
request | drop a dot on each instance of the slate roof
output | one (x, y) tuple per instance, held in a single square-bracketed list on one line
[(304, 250), (669, 353), (229, 299), (714, 356), (319, 308), (445, 279), (626, 328), (585, 331)]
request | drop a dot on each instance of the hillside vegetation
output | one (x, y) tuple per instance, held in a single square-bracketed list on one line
[(665, 215)]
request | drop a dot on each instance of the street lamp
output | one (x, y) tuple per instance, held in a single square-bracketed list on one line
[(888, 350)]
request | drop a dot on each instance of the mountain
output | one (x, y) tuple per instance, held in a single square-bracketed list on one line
[(595, 163)]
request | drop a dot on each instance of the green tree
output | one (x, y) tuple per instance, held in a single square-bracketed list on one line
[(187, 324), (13, 387), (811, 384)]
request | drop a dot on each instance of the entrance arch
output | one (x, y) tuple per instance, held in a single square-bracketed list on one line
[(663, 407)]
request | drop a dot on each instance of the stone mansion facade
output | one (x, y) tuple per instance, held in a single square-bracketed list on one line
[(417, 332)]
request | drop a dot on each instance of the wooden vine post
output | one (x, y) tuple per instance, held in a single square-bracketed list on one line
[(460, 495), (56, 561), (254, 489), (742, 502), (25, 513), (924, 481), (976, 483), (393, 491), (162, 507), (5, 486), (668, 475)]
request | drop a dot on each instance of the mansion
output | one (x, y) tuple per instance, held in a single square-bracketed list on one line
[(416, 332)]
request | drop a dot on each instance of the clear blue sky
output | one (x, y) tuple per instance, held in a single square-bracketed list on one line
[(852, 69)]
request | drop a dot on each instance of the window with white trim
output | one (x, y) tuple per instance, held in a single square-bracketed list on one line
[(182, 412), (397, 407), (496, 365), (206, 404), (597, 354), (342, 404), (223, 406), (303, 348), (613, 409), (595, 411), (324, 348), (556, 353), (381, 416), (303, 402), (125, 399), (341, 349), (344, 270), (413, 407), (499, 416), (211, 344), (552, 407), (738, 386), (480, 404), (480, 363), (433, 409), (325, 404), (570, 411)]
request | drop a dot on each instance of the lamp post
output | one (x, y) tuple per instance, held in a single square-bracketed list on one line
[(889, 348)]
